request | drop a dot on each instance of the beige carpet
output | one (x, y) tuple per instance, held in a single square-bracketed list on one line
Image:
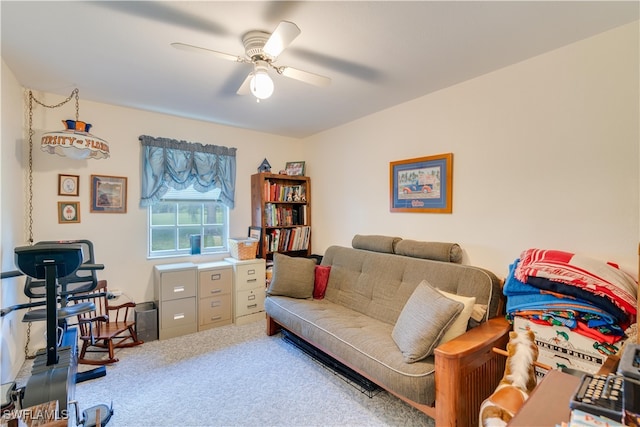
[(234, 376)]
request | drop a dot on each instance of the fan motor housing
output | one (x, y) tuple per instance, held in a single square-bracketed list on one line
[(254, 42)]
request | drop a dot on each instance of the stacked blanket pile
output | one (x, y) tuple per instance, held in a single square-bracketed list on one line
[(590, 297)]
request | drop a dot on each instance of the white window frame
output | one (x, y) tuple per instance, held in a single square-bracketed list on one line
[(206, 200)]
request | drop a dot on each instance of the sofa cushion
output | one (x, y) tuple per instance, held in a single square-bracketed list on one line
[(364, 343), (423, 321), (459, 326), (385, 244), (292, 276), (321, 280), (437, 251)]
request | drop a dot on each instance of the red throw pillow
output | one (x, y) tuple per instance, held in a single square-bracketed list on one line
[(322, 278)]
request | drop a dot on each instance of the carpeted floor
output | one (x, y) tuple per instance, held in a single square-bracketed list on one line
[(234, 376)]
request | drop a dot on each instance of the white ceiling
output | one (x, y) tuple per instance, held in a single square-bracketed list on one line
[(377, 53)]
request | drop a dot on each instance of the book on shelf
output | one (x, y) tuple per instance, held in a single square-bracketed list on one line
[(288, 239), (278, 192), (284, 216)]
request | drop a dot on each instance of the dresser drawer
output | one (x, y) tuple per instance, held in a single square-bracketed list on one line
[(215, 309), (215, 282), (250, 276), (251, 301), (178, 284), (178, 313)]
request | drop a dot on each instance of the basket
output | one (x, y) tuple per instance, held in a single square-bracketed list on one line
[(243, 247)]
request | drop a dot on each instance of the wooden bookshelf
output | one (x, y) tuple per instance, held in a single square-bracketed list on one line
[(281, 207)]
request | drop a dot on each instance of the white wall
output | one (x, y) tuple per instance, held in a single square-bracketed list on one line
[(12, 224), (545, 155)]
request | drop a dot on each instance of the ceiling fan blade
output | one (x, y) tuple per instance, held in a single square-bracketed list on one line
[(245, 88), (305, 76), (281, 37), (191, 48)]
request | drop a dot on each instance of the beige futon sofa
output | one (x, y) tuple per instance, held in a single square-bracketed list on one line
[(385, 316)]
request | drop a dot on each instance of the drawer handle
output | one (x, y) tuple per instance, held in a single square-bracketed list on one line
[(252, 306), (179, 288), (251, 272), (216, 318), (216, 291), (216, 276), (216, 303), (251, 297), (251, 280), (178, 316)]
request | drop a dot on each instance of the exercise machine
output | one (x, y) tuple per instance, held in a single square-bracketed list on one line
[(54, 371)]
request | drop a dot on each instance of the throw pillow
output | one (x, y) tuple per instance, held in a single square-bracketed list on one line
[(322, 279), (375, 243), (423, 321), (459, 326), (292, 276), (438, 251)]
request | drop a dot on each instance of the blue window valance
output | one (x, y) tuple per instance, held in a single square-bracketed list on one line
[(180, 164)]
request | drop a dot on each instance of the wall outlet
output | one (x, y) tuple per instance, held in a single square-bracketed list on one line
[(116, 292)]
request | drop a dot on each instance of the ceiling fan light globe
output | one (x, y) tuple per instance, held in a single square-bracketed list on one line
[(261, 85)]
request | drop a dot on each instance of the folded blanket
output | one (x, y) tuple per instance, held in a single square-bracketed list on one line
[(551, 308), (573, 291), (546, 302), (594, 276)]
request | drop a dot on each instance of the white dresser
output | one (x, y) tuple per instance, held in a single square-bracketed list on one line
[(249, 288)]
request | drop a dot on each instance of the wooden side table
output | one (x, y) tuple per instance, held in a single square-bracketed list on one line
[(548, 404)]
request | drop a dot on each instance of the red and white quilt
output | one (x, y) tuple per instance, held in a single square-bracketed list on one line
[(597, 277)]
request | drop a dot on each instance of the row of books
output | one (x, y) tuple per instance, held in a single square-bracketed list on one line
[(288, 239), (278, 192), (285, 216)]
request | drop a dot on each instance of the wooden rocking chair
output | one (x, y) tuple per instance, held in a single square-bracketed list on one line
[(106, 328)]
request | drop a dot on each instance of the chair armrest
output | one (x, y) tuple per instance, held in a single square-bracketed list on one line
[(103, 318), (123, 305), (467, 372)]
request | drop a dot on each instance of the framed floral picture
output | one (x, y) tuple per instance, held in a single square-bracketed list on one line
[(108, 194)]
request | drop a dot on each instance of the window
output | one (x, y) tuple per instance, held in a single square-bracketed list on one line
[(183, 213)]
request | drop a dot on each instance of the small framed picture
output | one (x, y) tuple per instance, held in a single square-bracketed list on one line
[(256, 233), (68, 212), (68, 185), (108, 194), (295, 168)]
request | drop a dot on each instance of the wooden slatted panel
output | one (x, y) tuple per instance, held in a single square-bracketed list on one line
[(478, 383)]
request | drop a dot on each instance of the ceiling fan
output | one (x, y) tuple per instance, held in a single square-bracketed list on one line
[(262, 50)]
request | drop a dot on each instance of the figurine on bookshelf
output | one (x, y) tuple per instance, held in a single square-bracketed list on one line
[(264, 166)]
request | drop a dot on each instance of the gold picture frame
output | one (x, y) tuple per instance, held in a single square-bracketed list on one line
[(68, 185), (423, 184), (68, 212), (108, 194)]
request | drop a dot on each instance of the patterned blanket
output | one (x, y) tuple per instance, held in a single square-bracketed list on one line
[(555, 308), (597, 277)]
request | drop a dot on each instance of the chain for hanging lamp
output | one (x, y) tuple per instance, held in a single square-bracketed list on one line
[(74, 141)]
